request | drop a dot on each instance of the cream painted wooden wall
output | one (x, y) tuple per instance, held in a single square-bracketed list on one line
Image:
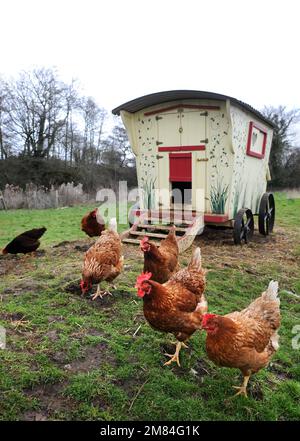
[(228, 177)]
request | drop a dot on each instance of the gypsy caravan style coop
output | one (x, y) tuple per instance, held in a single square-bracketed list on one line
[(202, 159)]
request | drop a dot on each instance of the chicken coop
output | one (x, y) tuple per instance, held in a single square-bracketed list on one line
[(202, 159)]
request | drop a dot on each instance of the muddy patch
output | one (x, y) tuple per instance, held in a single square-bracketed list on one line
[(201, 369), (64, 243), (82, 248), (23, 287), (73, 287), (12, 316), (105, 302), (50, 400), (255, 391), (280, 371), (94, 357)]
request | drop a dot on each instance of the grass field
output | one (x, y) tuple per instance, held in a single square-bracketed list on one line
[(68, 358)]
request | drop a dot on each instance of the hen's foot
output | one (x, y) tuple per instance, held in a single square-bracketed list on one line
[(241, 390), (175, 357), (101, 294)]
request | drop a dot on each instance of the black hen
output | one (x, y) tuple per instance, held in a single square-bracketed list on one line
[(26, 242)]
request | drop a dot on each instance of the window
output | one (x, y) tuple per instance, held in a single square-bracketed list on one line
[(257, 140)]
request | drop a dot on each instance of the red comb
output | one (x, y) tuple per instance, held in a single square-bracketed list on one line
[(143, 289), (145, 239), (206, 317), (141, 278)]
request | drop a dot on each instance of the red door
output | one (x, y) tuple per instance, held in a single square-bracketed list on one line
[(180, 167)]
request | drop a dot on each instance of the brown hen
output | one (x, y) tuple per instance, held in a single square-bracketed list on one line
[(176, 306), (25, 243), (247, 339), (93, 223), (161, 262), (103, 261)]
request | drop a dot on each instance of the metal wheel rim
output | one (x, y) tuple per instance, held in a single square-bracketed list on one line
[(243, 226)]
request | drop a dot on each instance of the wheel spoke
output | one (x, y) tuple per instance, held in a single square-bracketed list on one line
[(248, 223)]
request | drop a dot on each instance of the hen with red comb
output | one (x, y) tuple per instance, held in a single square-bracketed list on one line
[(162, 262), (245, 339), (142, 287), (176, 306)]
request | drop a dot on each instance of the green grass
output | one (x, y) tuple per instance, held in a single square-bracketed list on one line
[(62, 223), (73, 359)]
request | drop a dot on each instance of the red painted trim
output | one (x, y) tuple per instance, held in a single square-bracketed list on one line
[(180, 155), (249, 152), (180, 167), (216, 218), (180, 106), (183, 148)]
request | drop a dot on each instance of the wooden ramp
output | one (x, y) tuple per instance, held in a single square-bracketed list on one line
[(156, 225)]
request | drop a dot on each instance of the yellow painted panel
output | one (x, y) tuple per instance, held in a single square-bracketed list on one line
[(199, 165), (163, 180), (193, 128), (168, 129)]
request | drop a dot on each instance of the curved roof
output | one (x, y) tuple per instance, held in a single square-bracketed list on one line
[(146, 101)]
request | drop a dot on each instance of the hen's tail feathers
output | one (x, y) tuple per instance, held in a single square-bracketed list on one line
[(99, 218), (202, 306), (172, 231), (275, 341), (272, 292), (113, 226), (196, 261), (35, 233)]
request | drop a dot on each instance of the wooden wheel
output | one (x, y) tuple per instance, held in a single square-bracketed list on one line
[(243, 226), (266, 216)]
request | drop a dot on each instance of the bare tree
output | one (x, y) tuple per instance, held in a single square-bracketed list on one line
[(94, 119), (2, 151), (119, 143), (284, 121), (36, 107)]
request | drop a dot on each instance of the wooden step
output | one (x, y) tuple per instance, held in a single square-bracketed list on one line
[(127, 240), (136, 241), (170, 221), (159, 227), (142, 233)]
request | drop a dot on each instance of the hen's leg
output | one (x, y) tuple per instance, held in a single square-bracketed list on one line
[(175, 357), (183, 344), (242, 390), (106, 292), (98, 293)]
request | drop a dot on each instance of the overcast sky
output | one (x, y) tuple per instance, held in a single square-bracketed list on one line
[(120, 50)]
